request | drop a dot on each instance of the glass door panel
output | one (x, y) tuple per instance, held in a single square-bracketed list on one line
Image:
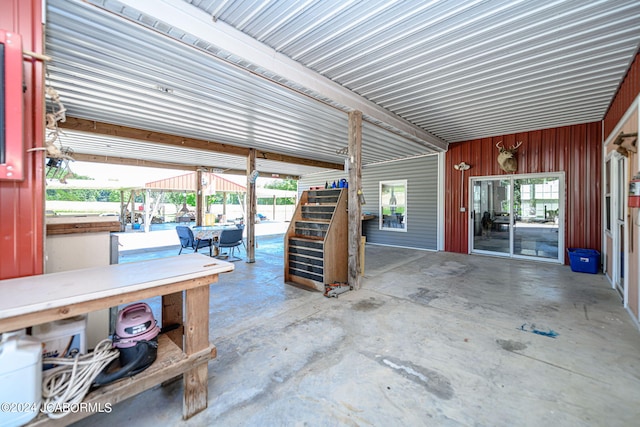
[(537, 208), (491, 216)]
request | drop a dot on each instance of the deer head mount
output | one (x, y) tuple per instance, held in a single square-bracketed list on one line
[(626, 143), (507, 157)]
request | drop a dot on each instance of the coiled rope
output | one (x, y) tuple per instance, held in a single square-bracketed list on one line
[(69, 382)]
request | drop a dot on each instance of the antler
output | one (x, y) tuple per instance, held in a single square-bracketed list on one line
[(518, 144), (498, 145)]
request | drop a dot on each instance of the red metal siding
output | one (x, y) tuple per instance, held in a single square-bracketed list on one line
[(22, 203), (576, 150), (627, 93)]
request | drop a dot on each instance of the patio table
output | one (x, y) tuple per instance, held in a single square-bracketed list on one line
[(210, 233)]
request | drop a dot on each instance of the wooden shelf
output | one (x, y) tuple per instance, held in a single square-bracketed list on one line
[(170, 363), (73, 224), (182, 281), (316, 250)]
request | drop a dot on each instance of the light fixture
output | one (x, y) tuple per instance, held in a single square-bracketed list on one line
[(462, 166)]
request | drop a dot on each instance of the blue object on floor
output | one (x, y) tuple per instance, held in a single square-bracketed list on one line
[(550, 334), (584, 260)]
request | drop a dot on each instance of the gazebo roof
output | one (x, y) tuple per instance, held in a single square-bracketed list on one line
[(188, 182)]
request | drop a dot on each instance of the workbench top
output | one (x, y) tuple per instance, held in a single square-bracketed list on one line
[(56, 290)]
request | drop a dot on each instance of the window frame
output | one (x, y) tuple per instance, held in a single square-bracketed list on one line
[(393, 216)]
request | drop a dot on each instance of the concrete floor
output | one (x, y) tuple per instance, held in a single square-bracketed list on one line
[(432, 339)]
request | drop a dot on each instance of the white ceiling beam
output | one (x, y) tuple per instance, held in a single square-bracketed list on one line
[(199, 24)]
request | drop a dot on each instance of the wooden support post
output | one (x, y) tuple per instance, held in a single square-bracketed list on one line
[(147, 210), (199, 199), (224, 204), (172, 314), (355, 185), (133, 208), (251, 207), (123, 212), (196, 338)]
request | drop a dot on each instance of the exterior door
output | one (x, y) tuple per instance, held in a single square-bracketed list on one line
[(518, 216), (537, 220), (491, 216), (619, 234)]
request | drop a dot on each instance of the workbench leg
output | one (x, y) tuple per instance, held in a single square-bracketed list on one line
[(196, 334), (172, 313)]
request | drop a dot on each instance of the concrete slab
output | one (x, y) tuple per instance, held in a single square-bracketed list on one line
[(434, 339)]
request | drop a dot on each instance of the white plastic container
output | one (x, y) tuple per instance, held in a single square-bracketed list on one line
[(20, 378), (62, 338)]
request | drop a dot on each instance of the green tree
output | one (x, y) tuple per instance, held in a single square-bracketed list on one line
[(283, 184), (280, 184)]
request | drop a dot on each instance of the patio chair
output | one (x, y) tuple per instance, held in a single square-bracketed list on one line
[(229, 238), (188, 241), (241, 227)]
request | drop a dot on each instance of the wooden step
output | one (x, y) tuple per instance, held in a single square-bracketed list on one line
[(318, 212), (311, 228), (306, 252), (323, 196), (306, 243), (319, 279), (304, 258), (308, 262), (308, 268)]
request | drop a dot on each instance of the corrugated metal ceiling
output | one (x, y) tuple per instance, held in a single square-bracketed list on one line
[(457, 69)]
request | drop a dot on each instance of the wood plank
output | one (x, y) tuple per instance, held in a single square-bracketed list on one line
[(183, 142), (297, 215), (307, 283), (57, 290), (114, 160), (84, 227), (298, 160), (196, 338), (355, 209), (336, 244), (170, 362), (196, 391), (101, 128), (172, 313), (11, 323), (252, 208)]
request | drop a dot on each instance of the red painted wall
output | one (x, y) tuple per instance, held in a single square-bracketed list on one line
[(22, 203), (627, 92), (576, 150)]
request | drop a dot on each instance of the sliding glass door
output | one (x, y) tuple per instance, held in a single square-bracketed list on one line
[(518, 216), (491, 215)]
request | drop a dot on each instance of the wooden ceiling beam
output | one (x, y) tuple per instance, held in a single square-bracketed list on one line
[(91, 126), (101, 128), (297, 160), (123, 161)]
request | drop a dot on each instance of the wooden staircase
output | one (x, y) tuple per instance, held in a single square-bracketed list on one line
[(316, 243)]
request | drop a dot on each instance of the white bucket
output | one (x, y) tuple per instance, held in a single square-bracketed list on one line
[(20, 378), (62, 338)]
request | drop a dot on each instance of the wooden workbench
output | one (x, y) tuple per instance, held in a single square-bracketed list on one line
[(28, 301)]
